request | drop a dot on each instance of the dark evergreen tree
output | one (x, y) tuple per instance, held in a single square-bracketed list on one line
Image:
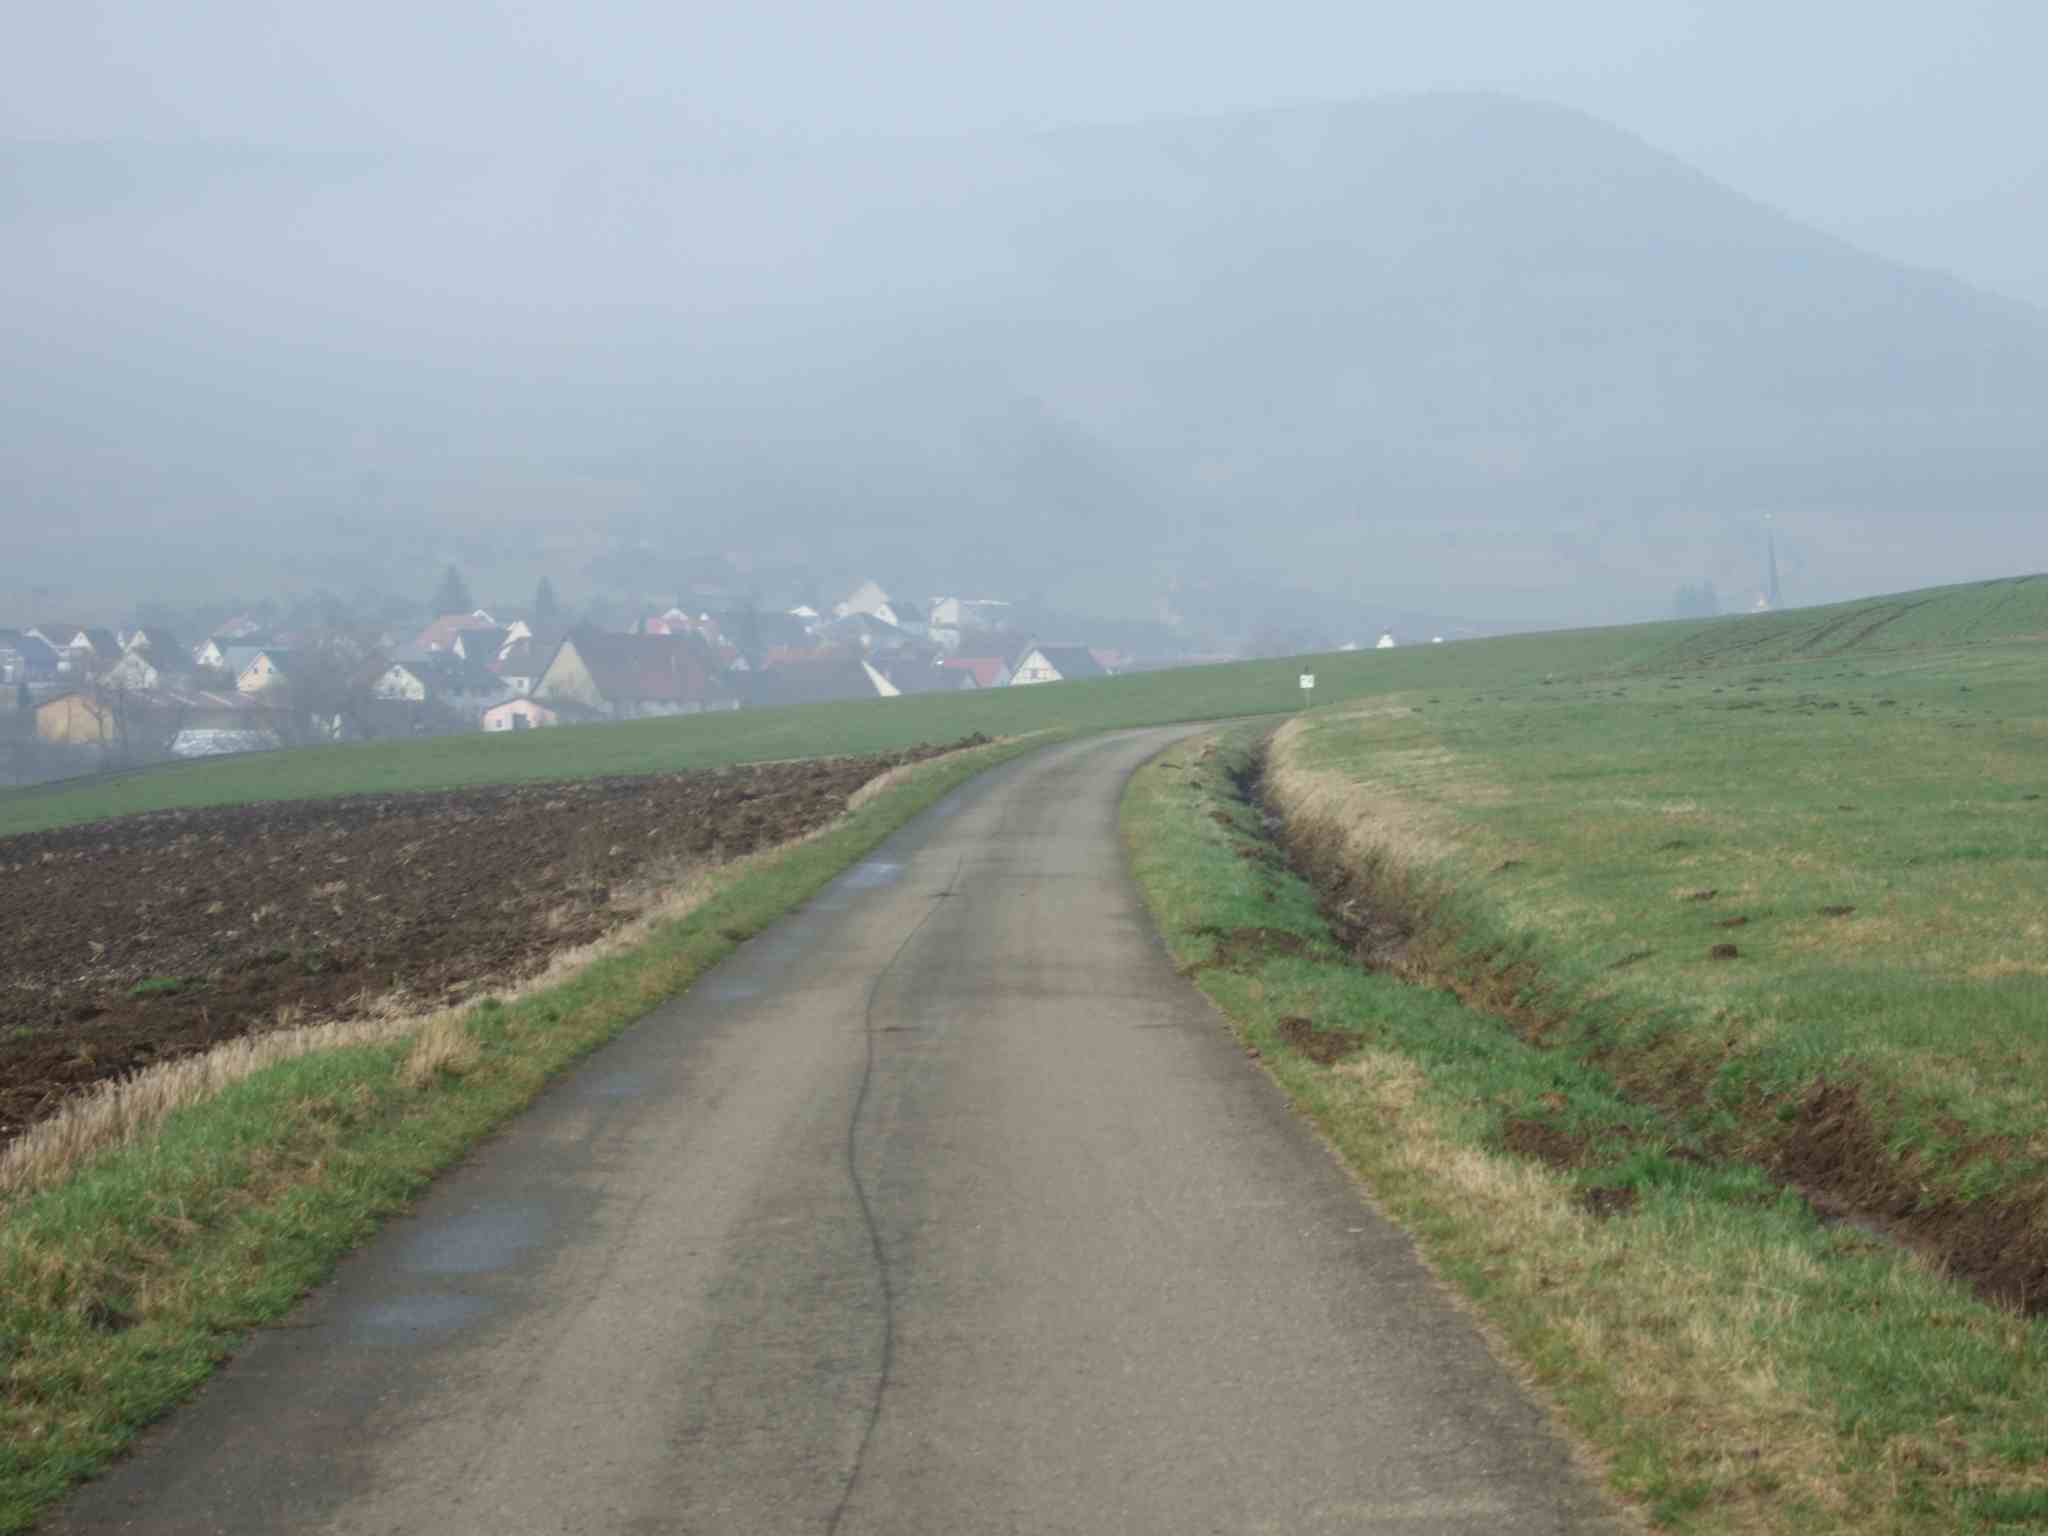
[(547, 612), (452, 596)]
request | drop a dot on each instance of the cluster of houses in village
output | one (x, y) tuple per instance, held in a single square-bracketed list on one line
[(143, 694)]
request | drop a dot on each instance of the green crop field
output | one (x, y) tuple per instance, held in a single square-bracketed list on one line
[(1964, 616)]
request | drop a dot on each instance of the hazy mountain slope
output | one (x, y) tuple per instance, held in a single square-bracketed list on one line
[(1457, 353), (1998, 239)]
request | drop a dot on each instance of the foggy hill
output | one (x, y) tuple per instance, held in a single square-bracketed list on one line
[(1452, 353), (1998, 239)]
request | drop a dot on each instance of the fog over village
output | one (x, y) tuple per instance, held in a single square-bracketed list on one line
[(717, 338)]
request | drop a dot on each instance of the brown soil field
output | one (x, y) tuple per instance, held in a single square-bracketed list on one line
[(133, 941)]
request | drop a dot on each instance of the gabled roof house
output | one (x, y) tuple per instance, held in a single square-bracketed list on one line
[(632, 677), (1055, 664)]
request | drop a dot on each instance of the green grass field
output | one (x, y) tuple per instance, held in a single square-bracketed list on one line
[(1732, 1362), (1678, 947), (1867, 828), (1955, 617)]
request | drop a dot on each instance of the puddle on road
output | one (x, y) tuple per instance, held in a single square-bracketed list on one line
[(405, 1319), (614, 1085), (487, 1238), (872, 875)]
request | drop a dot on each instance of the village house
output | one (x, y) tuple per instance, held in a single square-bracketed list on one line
[(952, 617), (876, 637), (440, 635), (445, 678), (1055, 664), (920, 675), (80, 651), (634, 677), (135, 670), (868, 598), (753, 633), (481, 646), (980, 671), (231, 658), (523, 658), (165, 648), (831, 678), (182, 722), (906, 616), (266, 668), (520, 714), (37, 658)]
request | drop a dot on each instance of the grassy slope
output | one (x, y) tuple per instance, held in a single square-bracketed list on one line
[(1909, 784), (1736, 1364), (1740, 1364), (123, 1286)]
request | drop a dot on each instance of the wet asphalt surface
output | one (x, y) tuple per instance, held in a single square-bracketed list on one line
[(944, 1206)]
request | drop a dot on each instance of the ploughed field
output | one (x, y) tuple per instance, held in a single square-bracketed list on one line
[(135, 941)]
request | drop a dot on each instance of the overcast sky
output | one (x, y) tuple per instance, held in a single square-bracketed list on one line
[(1839, 110)]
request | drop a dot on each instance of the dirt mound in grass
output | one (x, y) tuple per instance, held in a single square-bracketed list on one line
[(1324, 1047), (142, 939)]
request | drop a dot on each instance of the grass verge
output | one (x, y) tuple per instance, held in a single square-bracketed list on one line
[(124, 1285), (1737, 1363)]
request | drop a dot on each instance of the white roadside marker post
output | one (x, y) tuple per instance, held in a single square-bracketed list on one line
[(1308, 684)]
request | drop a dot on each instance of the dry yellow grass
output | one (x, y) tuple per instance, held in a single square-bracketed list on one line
[(1673, 1338), (1371, 815), (442, 1044), (118, 1112), (881, 783), (1676, 1341)]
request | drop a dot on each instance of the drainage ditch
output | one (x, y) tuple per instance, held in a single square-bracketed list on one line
[(1823, 1145)]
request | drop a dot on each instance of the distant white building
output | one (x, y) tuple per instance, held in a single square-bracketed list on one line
[(521, 714), (1386, 640), (868, 598), (951, 615)]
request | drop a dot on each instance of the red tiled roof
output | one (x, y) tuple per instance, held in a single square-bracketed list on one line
[(987, 670), (440, 635)]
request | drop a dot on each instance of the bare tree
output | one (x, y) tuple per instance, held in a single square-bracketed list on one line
[(327, 691), (136, 725)]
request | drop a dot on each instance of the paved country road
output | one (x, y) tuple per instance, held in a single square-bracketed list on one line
[(943, 1206)]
